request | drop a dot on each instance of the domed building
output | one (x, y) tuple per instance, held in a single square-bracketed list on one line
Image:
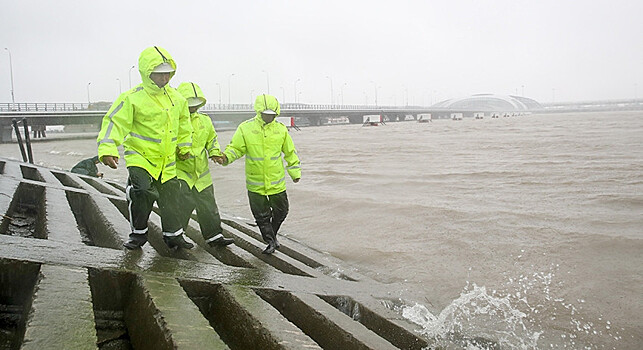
[(490, 103)]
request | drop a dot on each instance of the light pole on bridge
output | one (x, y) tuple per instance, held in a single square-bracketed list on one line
[(267, 80), (88, 99), (229, 78), (130, 76), (375, 85), (636, 93), (13, 99), (219, 86), (331, 89), (298, 79), (120, 90), (342, 90)]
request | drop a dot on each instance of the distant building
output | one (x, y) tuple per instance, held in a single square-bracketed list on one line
[(491, 103)]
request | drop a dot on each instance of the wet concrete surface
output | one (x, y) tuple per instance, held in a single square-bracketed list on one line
[(67, 230)]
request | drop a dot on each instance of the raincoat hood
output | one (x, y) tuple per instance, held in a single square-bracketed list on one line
[(191, 91), (148, 60), (263, 102)]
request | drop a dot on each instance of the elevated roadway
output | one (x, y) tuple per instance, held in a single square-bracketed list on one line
[(226, 118), (229, 116)]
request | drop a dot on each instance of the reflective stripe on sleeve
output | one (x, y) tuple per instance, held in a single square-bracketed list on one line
[(111, 123)]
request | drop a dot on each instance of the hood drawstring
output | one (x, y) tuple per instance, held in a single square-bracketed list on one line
[(160, 53), (164, 60), (194, 88), (168, 96)]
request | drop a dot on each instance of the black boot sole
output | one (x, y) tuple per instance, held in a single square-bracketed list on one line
[(269, 249), (132, 246), (220, 244)]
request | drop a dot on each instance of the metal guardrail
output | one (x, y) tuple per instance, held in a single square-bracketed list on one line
[(42, 106), (104, 106)]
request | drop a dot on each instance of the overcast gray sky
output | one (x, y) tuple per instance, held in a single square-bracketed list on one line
[(426, 50)]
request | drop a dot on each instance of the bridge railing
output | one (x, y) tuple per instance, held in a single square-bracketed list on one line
[(42, 106), (298, 106), (104, 106)]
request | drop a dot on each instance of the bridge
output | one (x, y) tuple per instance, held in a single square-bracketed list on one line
[(230, 115)]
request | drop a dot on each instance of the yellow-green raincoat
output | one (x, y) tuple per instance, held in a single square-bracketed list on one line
[(150, 122), (263, 144)]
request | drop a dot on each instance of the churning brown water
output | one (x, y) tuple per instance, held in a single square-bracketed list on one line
[(527, 230)]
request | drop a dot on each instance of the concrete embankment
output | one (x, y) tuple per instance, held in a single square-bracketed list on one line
[(67, 283)]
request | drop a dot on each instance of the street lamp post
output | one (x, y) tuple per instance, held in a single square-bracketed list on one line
[(120, 91), (267, 80), (88, 99), (298, 79), (252, 96), (342, 90), (130, 76), (229, 78), (636, 93), (219, 86), (375, 85), (331, 90), (523, 90), (13, 99)]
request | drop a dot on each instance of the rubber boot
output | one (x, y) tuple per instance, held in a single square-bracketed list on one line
[(221, 242), (135, 241), (176, 242), (270, 248)]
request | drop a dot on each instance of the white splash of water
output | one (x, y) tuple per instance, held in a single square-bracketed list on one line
[(476, 320), (511, 319)]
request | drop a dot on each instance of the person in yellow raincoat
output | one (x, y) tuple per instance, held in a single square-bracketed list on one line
[(152, 122), (194, 172), (263, 141)]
